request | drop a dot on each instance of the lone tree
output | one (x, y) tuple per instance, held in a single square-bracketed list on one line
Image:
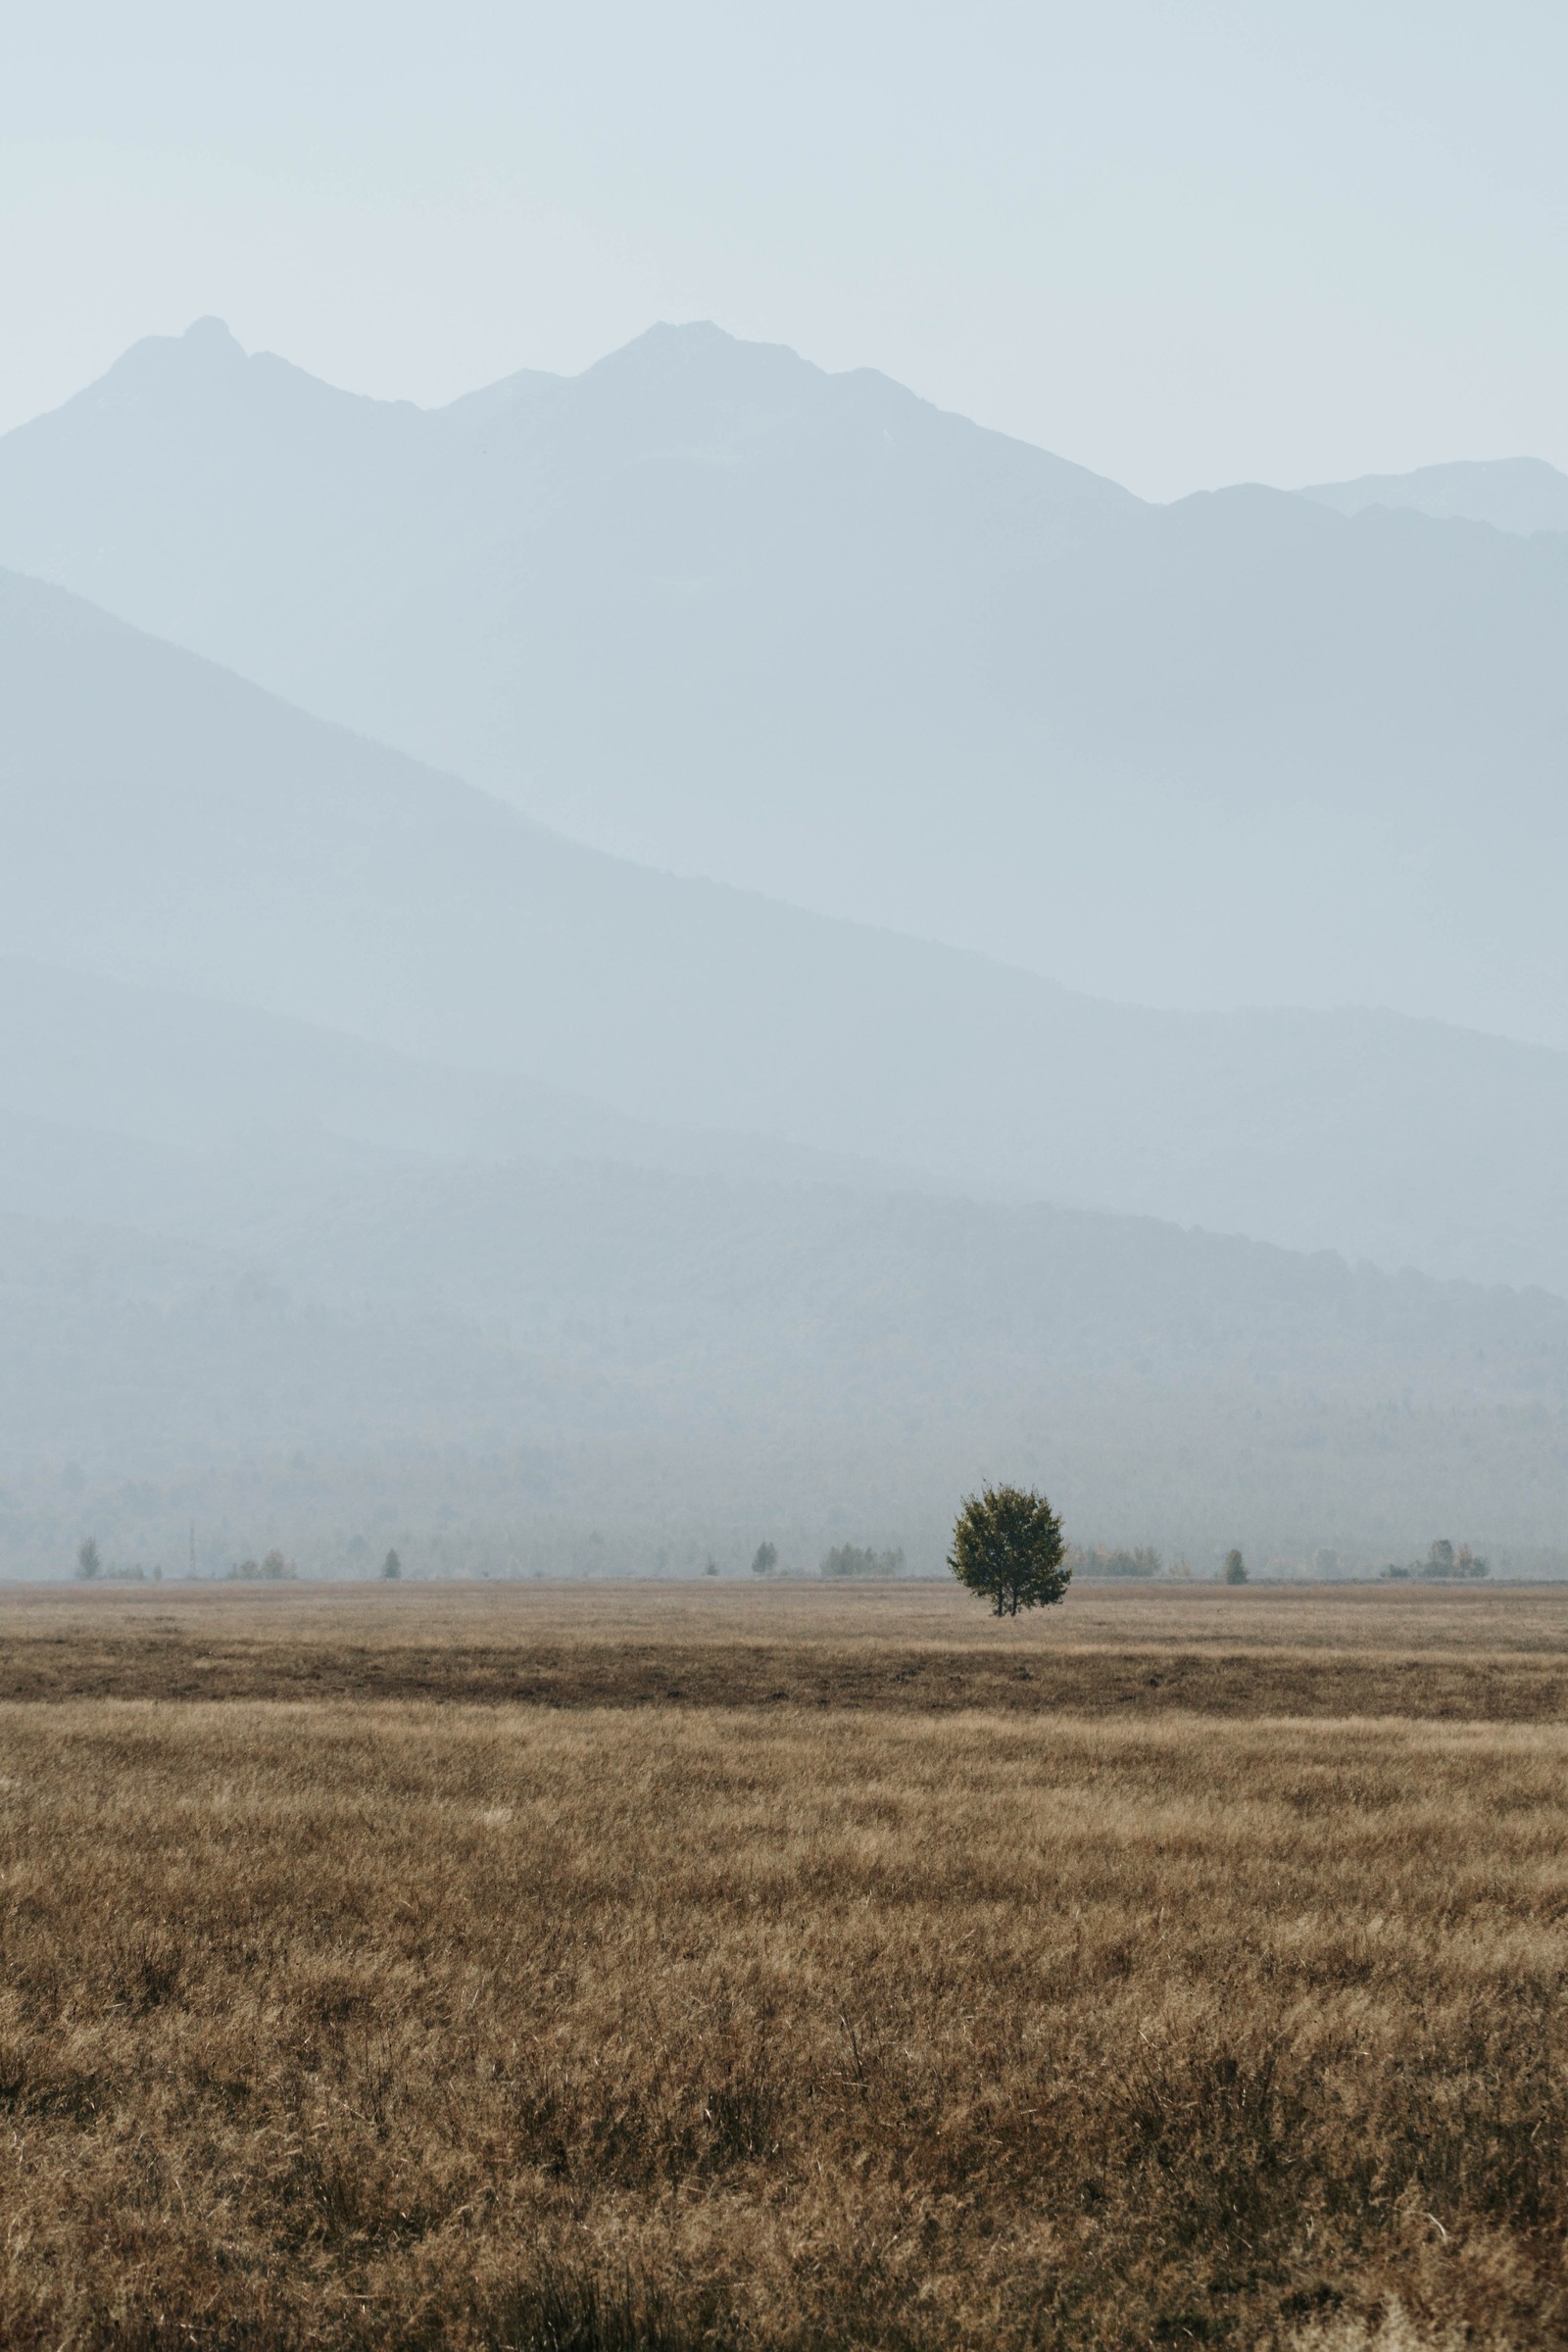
[(391, 1567), (1234, 1571), (765, 1559), (88, 1562), (1008, 1545)]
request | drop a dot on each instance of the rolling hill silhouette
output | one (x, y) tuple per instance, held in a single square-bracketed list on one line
[(172, 826)]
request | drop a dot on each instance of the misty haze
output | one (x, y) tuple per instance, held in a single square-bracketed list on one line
[(374, 1135), (783, 1109)]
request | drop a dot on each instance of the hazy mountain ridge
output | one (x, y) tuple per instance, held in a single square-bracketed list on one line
[(373, 1155), (171, 823), (240, 506), (715, 609), (167, 1067), (1520, 495)]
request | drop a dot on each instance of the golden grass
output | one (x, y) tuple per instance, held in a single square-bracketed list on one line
[(1460, 1654), (427, 2022)]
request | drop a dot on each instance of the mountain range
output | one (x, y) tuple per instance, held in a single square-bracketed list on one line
[(712, 608), (171, 825), (1521, 495), (375, 1153)]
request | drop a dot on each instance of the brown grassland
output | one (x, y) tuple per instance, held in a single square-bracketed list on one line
[(509, 1967)]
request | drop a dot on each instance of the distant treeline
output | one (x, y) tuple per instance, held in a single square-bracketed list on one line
[(1442, 1563), (853, 1559), (137, 1538), (1099, 1559)]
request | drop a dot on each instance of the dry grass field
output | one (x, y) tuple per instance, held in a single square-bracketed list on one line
[(593, 1968)]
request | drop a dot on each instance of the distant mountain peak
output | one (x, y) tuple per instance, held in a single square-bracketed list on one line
[(669, 349), (211, 334), (689, 330), (206, 354)]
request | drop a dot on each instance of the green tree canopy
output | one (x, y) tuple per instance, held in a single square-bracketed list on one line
[(1008, 1546)]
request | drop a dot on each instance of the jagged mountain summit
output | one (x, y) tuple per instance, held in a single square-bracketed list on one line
[(195, 488), (709, 606)]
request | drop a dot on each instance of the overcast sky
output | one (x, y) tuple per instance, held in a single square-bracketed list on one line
[(1184, 243)]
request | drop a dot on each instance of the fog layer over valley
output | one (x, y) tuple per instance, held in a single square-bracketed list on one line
[(576, 1366), (381, 1163)]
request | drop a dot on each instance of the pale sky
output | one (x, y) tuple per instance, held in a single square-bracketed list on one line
[(1183, 244)]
